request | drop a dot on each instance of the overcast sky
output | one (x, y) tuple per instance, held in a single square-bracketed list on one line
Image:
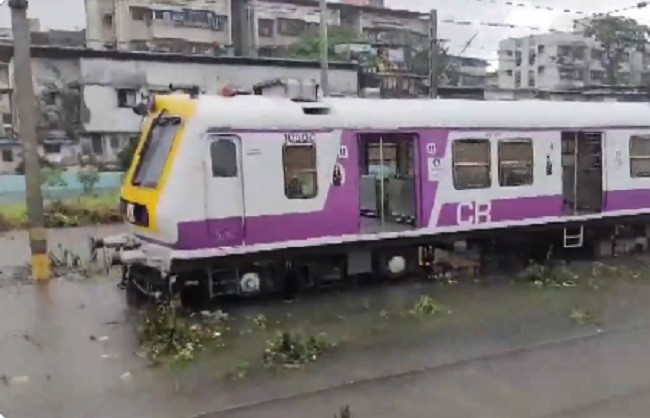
[(69, 14)]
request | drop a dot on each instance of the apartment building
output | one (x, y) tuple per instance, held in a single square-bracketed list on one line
[(373, 3), (562, 60), (191, 27), (218, 27)]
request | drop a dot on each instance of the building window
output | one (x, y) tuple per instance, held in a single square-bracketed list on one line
[(7, 155), (52, 148), (541, 69), (509, 73), (300, 173), (108, 20), (568, 74), (640, 156), (291, 27), (139, 13), (540, 49), (517, 79), (139, 45), (516, 162), (114, 142), (220, 23), (223, 153), (126, 98), (50, 98), (265, 28), (518, 58), (531, 78), (564, 51), (200, 17), (471, 164), (6, 118), (597, 76), (97, 144), (532, 56)]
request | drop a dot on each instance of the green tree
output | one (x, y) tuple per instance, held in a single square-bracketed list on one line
[(618, 36), (445, 72), (126, 154), (308, 46), (88, 177)]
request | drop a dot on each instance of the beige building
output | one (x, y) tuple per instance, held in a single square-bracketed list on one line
[(217, 27), (563, 60), (193, 27)]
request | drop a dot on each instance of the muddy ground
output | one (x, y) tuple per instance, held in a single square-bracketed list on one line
[(70, 349)]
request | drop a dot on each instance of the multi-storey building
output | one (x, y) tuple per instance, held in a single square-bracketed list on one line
[(193, 27), (561, 60)]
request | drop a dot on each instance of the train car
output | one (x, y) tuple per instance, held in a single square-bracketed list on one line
[(242, 194)]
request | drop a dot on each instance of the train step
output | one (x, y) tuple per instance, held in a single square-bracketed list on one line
[(574, 237)]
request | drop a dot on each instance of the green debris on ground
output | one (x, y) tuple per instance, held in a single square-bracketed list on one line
[(344, 412), (582, 316), (427, 306), (82, 211), (261, 321), (293, 349), (543, 275), (168, 338)]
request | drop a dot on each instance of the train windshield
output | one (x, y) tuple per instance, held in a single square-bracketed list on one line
[(155, 151)]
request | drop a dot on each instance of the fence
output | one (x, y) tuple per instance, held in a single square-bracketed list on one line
[(12, 186)]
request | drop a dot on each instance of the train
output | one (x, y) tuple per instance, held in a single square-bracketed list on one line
[(236, 194)]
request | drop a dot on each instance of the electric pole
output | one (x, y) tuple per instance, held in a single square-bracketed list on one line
[(433, 53), (24, 94), (324, 49)]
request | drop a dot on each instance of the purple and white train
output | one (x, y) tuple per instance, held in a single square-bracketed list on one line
[(234, 194)]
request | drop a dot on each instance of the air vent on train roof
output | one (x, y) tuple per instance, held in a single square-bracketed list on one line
[(296, 90)]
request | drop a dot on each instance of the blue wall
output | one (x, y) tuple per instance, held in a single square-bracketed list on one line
[(12, 186)]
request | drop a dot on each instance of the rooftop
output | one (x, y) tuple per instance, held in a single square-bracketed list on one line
[(61, 52)]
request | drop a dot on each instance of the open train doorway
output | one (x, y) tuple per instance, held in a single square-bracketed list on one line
[(388, 184), (582, 172)]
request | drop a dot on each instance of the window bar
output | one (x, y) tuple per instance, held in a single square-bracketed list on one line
[(381, 179)]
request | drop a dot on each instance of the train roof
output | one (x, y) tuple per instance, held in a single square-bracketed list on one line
[(263, 112)]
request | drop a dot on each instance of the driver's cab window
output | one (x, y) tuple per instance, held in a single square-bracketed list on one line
[(300, 173)]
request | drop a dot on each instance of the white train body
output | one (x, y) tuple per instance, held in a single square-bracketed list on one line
[(222, 177)]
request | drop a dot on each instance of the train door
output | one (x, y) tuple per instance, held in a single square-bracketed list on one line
[(224, 191), (582, 172), (388, 183)]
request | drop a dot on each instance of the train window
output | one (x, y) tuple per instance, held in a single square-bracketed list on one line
[(516, 162), (471, 159), (300, 173), (640, 156), (223, 153), (155, 151)]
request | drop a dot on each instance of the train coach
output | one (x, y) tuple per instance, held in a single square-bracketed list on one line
[(240, 194)]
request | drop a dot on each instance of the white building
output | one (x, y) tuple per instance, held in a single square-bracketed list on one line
[(562, 60), (197, 26), (86, 97)]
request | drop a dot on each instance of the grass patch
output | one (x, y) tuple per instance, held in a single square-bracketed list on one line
[(167, 338), (543, 275), (81, 211), (582, 316), (293, 349), (426, 306)]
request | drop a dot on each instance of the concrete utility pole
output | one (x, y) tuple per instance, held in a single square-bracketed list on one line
[(24, 93), (433, 53), (324, 49)]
